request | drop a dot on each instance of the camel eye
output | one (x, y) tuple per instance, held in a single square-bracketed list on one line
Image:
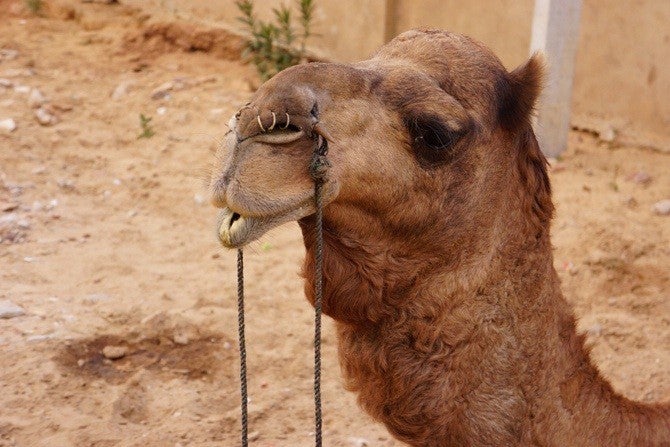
[(432, 141)]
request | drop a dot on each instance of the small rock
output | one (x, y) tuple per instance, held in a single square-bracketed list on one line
[(81, 362), (45, 118), (96, 298), (558, 166), (6, 83), (359, 442), (65, 184), (595, 331), (8, 206), (23, 89), (36, 99), (8, 125), (180, 338), (641, 178), (121, 90), (183, 118), (254, 435), (161, 111), (18, 72), (662, 207), (162, 91), (8, 54), (114, 352), (199, 199), (607, 134), (9, 219), (10, 310)]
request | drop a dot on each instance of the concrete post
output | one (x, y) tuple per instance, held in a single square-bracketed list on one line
[(555, 33)]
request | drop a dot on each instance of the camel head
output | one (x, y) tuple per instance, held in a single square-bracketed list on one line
[(431, 136)]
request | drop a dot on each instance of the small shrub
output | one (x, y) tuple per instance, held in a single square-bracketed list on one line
[(275, 46), (147, 129), (35, 6)]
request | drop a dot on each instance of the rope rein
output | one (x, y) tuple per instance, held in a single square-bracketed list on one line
[(243, 348), (317, 169)]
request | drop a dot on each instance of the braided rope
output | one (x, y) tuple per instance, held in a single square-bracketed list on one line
[(243, 349), (318, 298), (317, 168)]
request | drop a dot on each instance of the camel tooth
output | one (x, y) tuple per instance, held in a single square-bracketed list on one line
[(274, 121), (260, 124), (288, 121)]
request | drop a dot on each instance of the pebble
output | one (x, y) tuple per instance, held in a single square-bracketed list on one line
[(18, 72), (114, 352), (607, 134), (595, 331), (10, 310), (23, 89), (662, 207), (96, 298), (6, 83), (8, 54), (641, 178), (359, 442), (121, 90), (162, 91), (65, 184), (36, 99), (8, 206), (199, 199), (8, 125), (10, 218), (180, 338), (45, 118)]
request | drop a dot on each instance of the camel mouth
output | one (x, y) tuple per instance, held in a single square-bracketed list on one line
[(235, 230), (280, 136)]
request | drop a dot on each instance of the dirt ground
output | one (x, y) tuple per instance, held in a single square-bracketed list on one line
[(108, 240)]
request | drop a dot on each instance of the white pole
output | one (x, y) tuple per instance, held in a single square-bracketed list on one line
[(555, 33)]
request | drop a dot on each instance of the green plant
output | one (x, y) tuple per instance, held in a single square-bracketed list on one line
[(35, 6), (145, 124), (275, 46)]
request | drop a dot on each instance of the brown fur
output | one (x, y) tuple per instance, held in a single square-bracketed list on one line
[(438, 270)]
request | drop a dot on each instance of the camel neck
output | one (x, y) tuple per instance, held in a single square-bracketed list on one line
[(504, 341)]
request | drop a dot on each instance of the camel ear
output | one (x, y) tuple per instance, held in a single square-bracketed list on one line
[(518, 92)]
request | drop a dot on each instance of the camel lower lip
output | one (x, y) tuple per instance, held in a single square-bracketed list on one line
[(235, 230)]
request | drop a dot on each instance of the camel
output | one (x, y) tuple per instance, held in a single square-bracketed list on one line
[(438, 267)]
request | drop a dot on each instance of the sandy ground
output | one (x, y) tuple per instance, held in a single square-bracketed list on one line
[(108, 240)]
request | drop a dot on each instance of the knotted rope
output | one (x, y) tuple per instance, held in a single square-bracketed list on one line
[(317, 169)]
